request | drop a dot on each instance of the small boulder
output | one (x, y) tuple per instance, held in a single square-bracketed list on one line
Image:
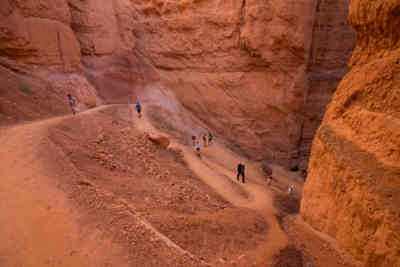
[(159, 140)]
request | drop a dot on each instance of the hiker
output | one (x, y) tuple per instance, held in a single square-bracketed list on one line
[(269, 180), (304, 174), (205, 140), (194, 140), (198, 148), (139, 110), (240, 171), (210, 137), (71, 102), (290, 189)]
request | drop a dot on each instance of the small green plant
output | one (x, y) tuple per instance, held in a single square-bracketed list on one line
[(25, 87)]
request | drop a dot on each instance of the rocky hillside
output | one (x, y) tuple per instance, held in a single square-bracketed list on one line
[(354, 176), (259, 72)]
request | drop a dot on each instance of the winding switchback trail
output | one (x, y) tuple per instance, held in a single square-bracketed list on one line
[(216, 167)]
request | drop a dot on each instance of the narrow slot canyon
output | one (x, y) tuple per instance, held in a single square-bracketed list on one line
[(125, 126)]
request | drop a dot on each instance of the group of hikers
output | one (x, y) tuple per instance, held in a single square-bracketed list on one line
[(207, 140), (268, 178)]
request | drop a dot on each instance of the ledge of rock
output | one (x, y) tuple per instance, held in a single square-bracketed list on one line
[(159, 140)]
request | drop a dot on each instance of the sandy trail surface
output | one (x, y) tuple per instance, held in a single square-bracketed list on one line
[(40, 226), (216, 167)]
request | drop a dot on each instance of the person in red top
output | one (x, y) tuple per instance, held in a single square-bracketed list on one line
[(194, 140)]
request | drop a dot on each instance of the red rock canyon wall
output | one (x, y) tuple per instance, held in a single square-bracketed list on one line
[(259, 72), (352, 190)]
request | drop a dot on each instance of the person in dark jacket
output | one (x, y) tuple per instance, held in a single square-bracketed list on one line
[(210, 138), (240, 172)]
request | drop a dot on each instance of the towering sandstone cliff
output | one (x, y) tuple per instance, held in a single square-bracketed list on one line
[(259, 72), (352, 192)]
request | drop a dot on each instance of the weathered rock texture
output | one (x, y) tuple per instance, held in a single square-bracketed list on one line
[(352, 191), (38, 55), (50, 48), (260, 72), (332, 44)]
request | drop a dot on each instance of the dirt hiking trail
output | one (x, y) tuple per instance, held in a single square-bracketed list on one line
[(37, 225), (216, 167), (44, 220)]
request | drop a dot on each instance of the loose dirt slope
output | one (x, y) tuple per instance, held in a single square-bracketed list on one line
[(80, 188), (38, 225), (93, 190)]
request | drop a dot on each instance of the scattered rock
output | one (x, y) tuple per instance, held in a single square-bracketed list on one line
[(160, 140), (85, 183)]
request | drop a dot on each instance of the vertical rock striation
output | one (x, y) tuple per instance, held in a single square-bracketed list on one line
[(333, 41), (352, 191)]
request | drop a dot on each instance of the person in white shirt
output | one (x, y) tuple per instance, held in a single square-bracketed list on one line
[(198, 148)]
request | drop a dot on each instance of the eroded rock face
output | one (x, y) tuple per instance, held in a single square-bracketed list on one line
[(37, 32), (352, 190), (259, 72), (102, 27), (41, 47), (243, 66), (332, 44)]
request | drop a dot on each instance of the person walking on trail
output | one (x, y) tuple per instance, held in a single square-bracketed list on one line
[(72, 103), (240, 172), (194, 140), (210, 138), (197, 146), (139, 110), (290, 189)]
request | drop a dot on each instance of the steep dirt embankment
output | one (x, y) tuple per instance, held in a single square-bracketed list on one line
[(242, 66), (352, 191), (93, 189)]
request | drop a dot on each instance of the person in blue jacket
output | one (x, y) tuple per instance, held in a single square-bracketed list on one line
[(139, 109)]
